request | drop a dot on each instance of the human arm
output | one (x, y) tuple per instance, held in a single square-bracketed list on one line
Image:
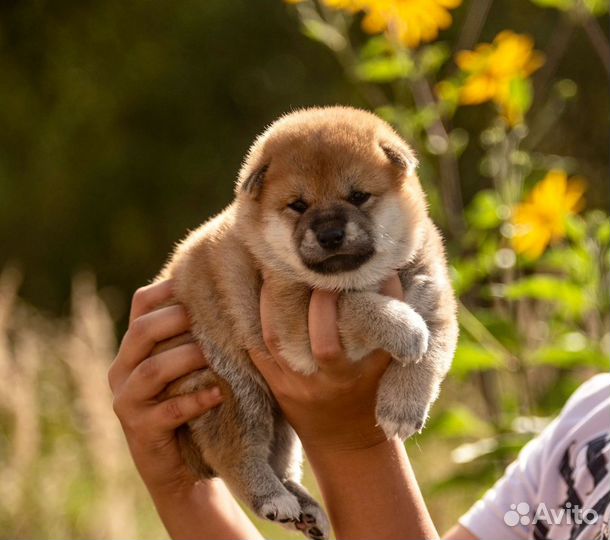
[(188, 508), (367, 482)]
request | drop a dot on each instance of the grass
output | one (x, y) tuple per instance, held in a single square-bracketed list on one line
[(65, 469)]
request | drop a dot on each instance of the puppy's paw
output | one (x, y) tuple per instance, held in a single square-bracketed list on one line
[(283, 508), (403, 423), (313, 523), (412, 344)]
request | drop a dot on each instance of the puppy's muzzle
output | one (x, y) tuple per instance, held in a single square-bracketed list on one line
[(330, 235), (332, 244)]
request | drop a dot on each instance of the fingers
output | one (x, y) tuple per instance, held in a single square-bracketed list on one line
[(271, 364), (324, 332), (173, 412), (266, 365), (152, 375), (269, 335), (166, 416), (147, 298), (375, 363), (142, 336)]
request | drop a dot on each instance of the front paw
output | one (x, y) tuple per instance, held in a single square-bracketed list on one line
[(412, 344), (401, 422)]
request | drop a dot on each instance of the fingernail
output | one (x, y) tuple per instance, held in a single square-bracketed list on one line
[(215, 394)]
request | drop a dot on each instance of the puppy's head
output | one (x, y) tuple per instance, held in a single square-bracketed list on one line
[(330, 195)]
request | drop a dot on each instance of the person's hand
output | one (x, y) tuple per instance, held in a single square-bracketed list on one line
[(137, 377), (335, 407)]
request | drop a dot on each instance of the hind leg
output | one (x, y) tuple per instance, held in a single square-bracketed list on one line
[(286, 459), (233, 441)]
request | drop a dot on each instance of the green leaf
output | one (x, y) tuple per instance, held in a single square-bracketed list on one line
[(603, 233), (424, 117), (465, 274), (432, 57), (563, 5), (484, 210), (521, 94), (576, 229), (448, 91), (597, 7), (470, 358), (576, 262), (504, 329), (459, 421), (566, 359), (458, 140), (550, 289), (385, 69), (376, 46)]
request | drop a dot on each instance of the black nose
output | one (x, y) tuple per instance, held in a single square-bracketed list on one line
[(331, 237)]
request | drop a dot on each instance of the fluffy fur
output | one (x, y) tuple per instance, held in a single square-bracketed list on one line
[(326, 198)]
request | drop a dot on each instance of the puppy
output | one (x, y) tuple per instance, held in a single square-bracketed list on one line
[(326, 198)]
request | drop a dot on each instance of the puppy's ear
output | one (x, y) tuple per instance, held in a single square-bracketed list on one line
[(403, 158), (254, 182)]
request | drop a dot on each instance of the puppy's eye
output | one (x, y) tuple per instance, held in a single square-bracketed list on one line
[(358, 198), (299, 206)]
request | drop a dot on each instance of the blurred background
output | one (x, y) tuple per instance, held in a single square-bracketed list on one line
[(123, 125)]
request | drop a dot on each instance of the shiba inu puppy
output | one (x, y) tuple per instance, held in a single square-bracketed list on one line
[(326, 198)]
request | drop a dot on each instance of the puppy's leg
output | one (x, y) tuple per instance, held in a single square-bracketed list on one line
[(406, 392), (369, 321), (286, 462), (234, 441), (404, 397)]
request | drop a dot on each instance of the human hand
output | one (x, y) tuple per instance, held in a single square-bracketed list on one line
[(137, 377), (333, 408)]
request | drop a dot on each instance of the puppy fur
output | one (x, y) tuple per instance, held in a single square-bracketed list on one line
[(326, 198)]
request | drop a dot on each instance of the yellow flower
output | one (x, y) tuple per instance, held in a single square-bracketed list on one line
[(493, 68), (346, 5), (411, 21), (540, 220)]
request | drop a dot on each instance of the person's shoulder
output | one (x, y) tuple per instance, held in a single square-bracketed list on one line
[(585, 415), (593, 392)]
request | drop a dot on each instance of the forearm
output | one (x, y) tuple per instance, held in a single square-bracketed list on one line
[(372, 493), (208, 510)]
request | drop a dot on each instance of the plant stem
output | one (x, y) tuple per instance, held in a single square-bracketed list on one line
[(598, 39), (347, 58), (555, 51), (451, 191), (473, 24), (484, 337)]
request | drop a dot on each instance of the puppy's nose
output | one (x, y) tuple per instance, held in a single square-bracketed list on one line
[(330, 237)]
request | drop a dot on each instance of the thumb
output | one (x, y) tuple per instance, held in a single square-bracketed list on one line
[(324, 332)]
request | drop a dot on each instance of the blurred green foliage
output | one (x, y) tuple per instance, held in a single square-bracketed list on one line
[(122, 125), (495, 130)]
